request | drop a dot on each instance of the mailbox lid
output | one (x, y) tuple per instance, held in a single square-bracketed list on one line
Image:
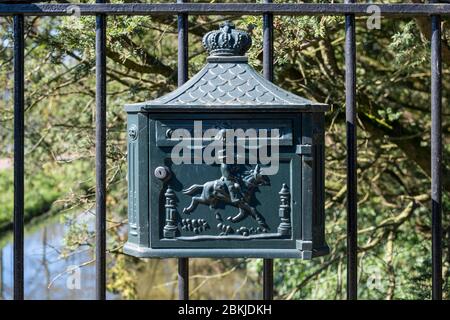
[(166, 128)]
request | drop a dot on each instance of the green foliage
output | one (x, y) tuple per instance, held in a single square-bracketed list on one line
[(409, 47), (121, 279), (42, 188)]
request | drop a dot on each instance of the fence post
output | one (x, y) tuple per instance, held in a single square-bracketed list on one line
[(183, 58), (436, 155), (268, 74), (350, 115), (19, 161), (100, 156)]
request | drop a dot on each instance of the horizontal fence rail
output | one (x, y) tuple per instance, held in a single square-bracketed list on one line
[(238, 9), (267, 10)]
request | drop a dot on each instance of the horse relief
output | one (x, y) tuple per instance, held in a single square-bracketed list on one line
[(233, 189)]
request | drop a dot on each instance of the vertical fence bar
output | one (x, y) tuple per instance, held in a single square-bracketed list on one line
[(350, 115), (183, 263), (268, 44), (268, 74), (19, 164), (436, 155), (183, 279), (182, 47), (100, 156), (268, 279)]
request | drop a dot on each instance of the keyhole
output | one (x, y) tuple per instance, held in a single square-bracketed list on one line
[(162, 173)]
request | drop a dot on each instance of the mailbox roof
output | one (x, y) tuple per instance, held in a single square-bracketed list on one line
[(228, 83)]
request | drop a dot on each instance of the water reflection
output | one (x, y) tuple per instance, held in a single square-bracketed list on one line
[(46, 275)]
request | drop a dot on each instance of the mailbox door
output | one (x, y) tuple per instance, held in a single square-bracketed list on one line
[(258, 208)]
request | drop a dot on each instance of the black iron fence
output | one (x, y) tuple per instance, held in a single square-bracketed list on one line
[(21, 8)]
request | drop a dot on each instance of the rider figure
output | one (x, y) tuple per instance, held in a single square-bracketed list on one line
[(230, 178)]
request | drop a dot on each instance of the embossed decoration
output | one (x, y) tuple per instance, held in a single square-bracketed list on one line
[(170, 229), (285, 211), (195, 225), (227, 41), (224, 229), (229, 83), (133, 132), (232, 189)]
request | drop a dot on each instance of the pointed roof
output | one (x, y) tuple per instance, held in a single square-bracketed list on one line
[(228, 83)]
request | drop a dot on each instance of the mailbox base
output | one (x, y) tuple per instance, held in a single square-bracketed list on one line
[(144, 252)]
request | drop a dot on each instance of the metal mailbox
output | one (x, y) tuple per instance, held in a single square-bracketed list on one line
[(227, 165)]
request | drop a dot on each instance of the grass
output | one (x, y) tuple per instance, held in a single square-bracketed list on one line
[(43, 187)]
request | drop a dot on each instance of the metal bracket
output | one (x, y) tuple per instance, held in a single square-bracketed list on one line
[(306, 249), (303, 149), (304, 245)]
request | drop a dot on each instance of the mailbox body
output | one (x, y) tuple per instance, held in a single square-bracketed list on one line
[(301, 169), (240, 206)]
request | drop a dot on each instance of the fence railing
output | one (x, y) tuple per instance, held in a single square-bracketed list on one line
[(21, 8)]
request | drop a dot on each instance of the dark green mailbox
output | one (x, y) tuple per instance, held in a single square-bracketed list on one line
[(227, 165)]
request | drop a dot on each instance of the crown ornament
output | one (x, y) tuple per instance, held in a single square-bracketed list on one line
[(227, 41)]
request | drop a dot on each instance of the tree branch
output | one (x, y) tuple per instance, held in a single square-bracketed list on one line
[(424, 24), (408, 141)]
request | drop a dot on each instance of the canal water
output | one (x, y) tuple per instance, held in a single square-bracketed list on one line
[(48, 276)]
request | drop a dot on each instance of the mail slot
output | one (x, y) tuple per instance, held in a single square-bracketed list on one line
[(227, 165)]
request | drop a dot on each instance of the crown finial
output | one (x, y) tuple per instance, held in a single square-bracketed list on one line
[(227, 41)]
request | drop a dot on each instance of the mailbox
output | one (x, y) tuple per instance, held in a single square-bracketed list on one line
[(227, 165)]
